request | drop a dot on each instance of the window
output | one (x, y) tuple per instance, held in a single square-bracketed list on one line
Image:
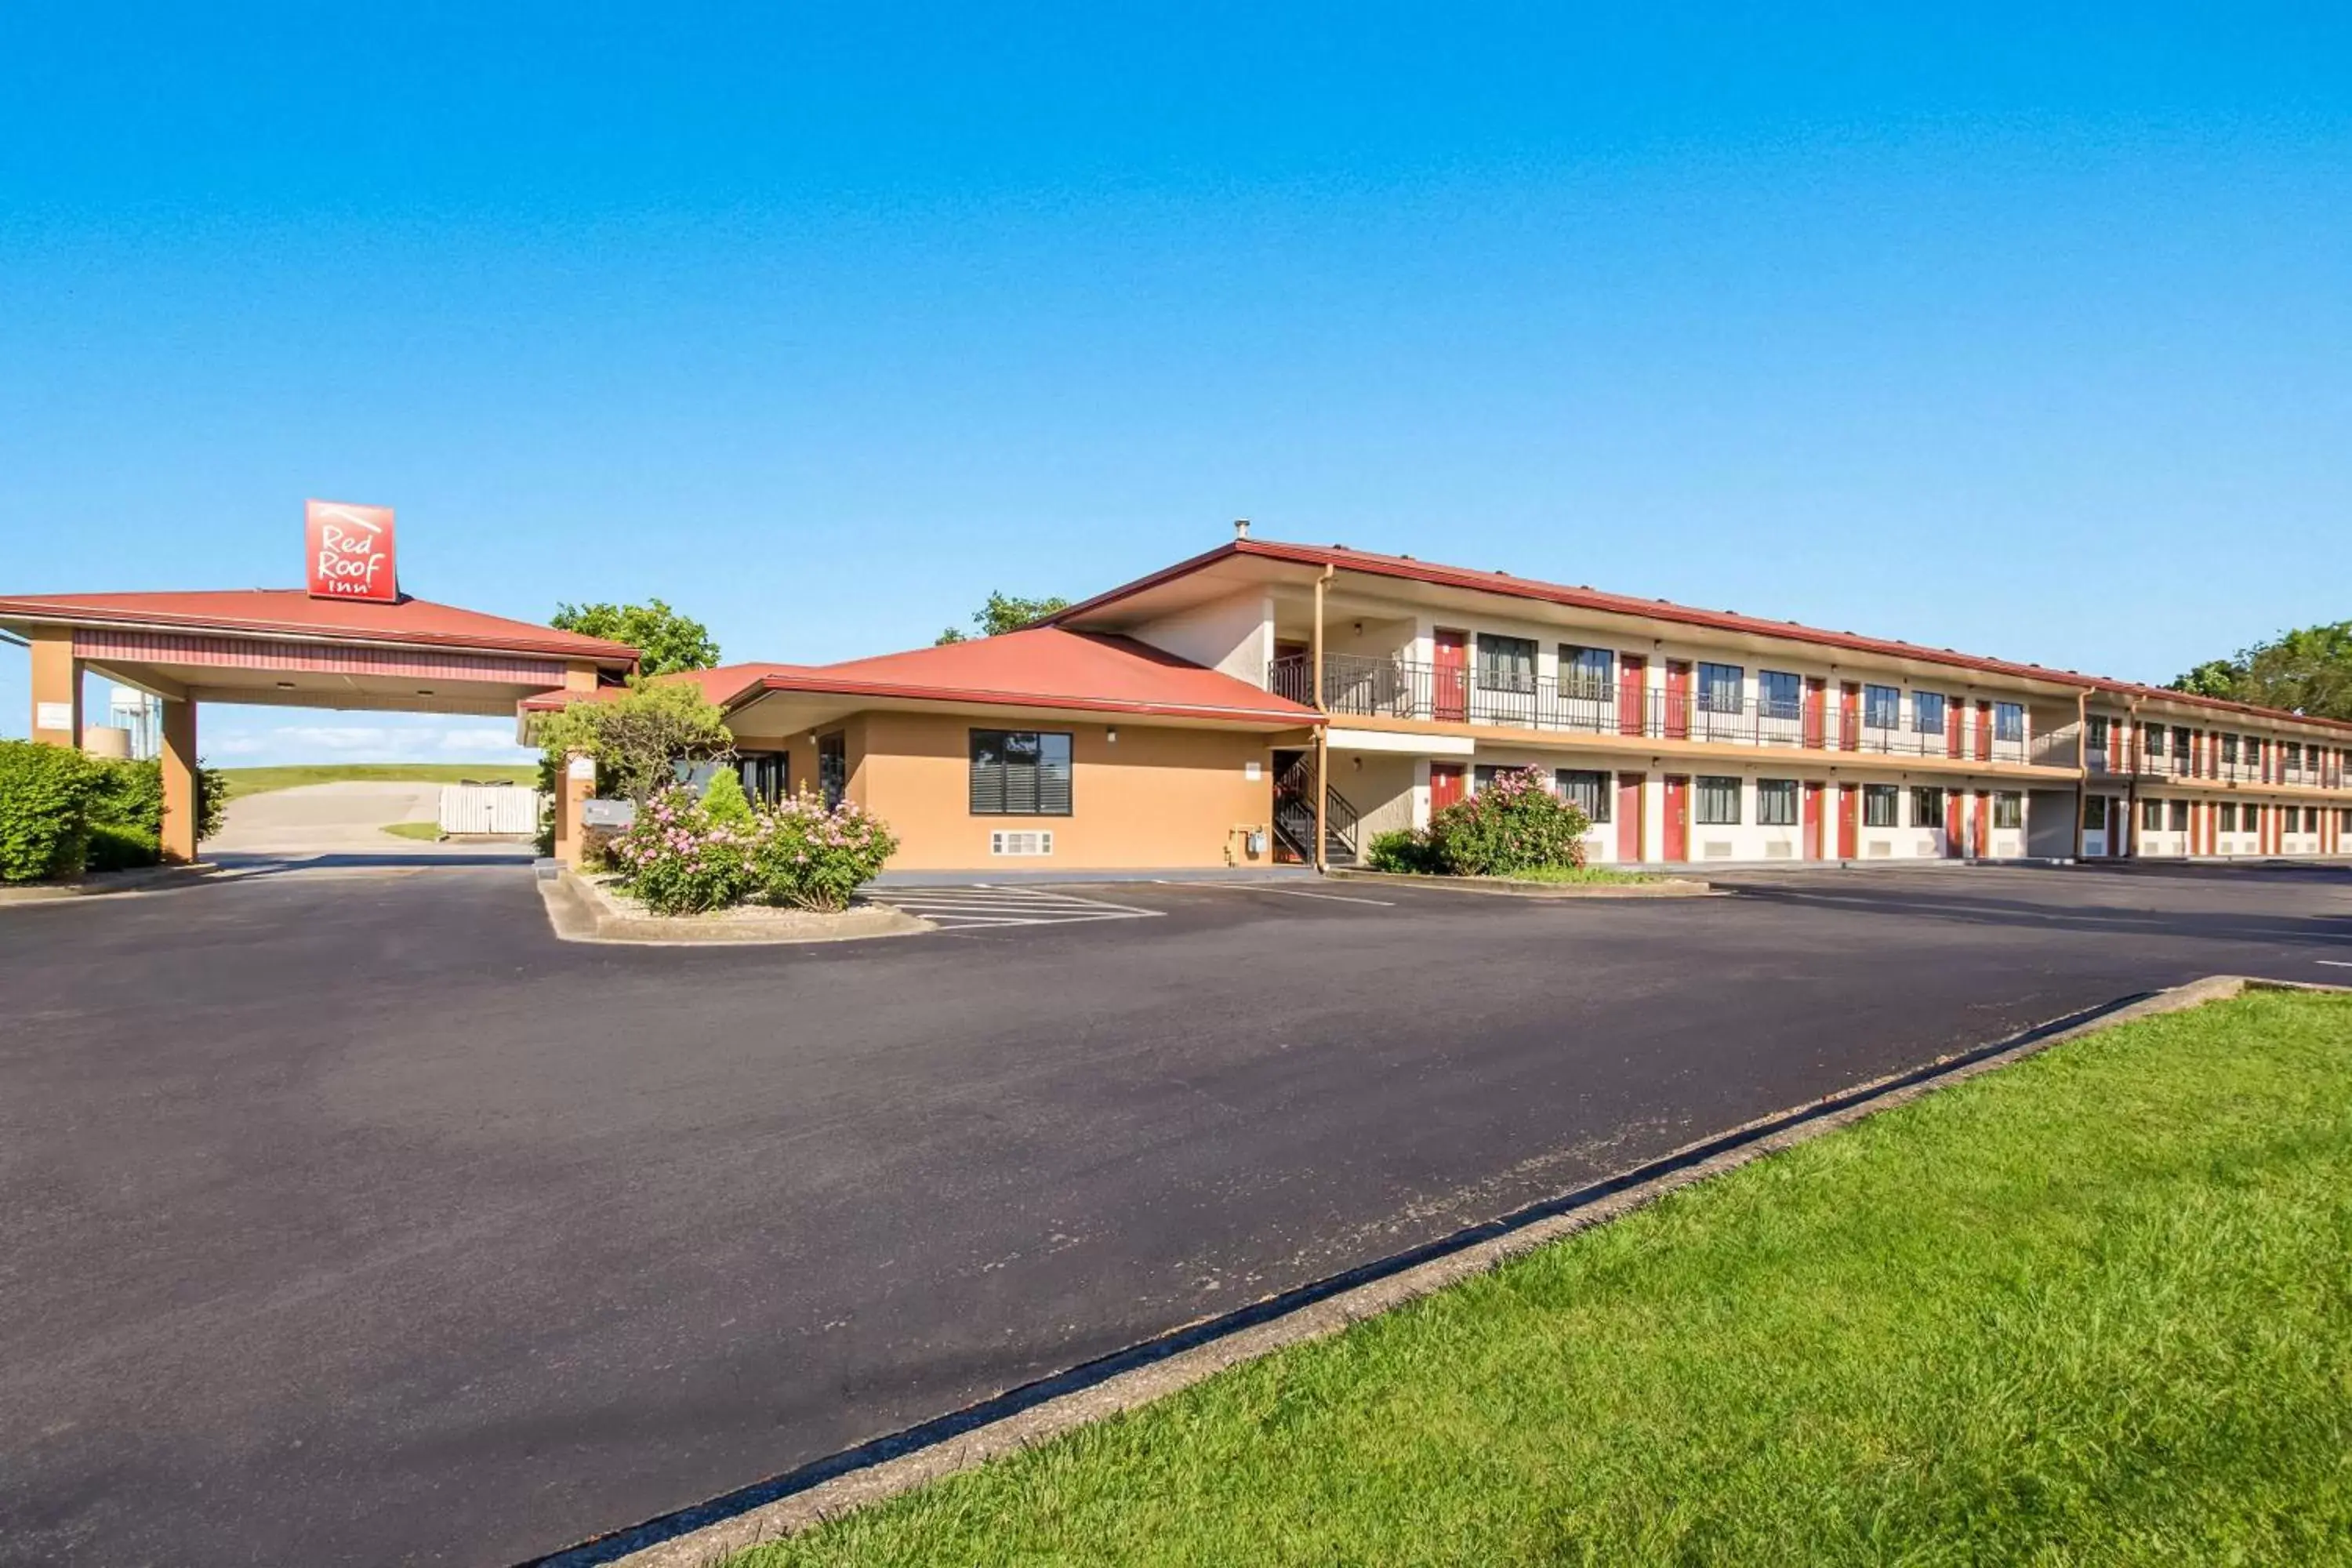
[(1776, 803), (1781, 693), (2179, 817), (2152, 737), (767, 775), (2229, 816), (1880, 707), (2229, 749), (1020, 773), (1588, 792), (2179, 745), (1926, 807), (2008, 809), (1719, 687), (2097, 731), (2253, 817), (1507, 664), (1484, 774), (1878, 805), (2151, 816), (1585, 671), (2095, 813), (2291, 754), (1927, 712), (833, 768), (1718, 802), (2009, 720), (2311, 819)]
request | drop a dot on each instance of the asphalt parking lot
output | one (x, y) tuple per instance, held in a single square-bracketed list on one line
[(355, 1218)]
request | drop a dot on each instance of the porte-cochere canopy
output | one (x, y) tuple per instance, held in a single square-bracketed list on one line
[(285, 648)]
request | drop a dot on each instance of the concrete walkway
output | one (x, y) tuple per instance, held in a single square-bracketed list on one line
[(340, 820)]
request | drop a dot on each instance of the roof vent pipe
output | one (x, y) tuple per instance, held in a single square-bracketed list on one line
[(1241, 528)]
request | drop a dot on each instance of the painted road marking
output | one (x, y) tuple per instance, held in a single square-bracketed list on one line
[(1289, 893), (956, 908), (2333, 962)]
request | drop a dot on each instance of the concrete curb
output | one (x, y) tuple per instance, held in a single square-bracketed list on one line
[(711, 1542), (580, 911), (1503, 887), (106, 884)]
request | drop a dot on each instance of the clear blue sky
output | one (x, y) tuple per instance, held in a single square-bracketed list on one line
[(2027, 331)]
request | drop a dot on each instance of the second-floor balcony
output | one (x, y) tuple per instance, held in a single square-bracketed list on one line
[(2175, 764), (1355, 687)]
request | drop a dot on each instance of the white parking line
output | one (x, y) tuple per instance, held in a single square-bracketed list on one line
[(2333, 962), (956, 908), (1290, 892)]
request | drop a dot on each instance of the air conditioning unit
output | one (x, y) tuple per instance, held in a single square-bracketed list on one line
[(1878, 848), (1780, 849), (1026, 843), (1715, 849)]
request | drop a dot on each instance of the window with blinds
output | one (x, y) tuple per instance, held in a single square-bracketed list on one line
[(1020, 773), (1587, 791)]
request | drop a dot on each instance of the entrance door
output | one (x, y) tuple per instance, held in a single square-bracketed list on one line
[(1984, 731), (1813, 817), (1952, 730), (1677, 822), (1984, 825), (1849, 718), (1632, 698), (1817, 692), (1678, 697), (833, 768), (1445, 780), (1449, 672), (1954, 845), (1631, 841), (1849, 822)]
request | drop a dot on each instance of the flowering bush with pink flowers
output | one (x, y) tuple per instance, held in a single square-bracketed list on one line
[(810, 857), (681, 859)]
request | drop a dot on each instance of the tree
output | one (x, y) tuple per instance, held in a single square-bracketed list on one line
[(2308, 670), (635, 736), (665, 641), (1003, 614)]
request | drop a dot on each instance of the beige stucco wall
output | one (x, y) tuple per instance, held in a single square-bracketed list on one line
[(1155, 798)]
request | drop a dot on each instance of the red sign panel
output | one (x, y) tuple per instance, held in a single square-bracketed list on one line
[(349, 548)]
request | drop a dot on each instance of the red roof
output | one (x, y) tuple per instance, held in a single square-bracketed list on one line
[(1041, 667), (291, 612), (1406, 568)]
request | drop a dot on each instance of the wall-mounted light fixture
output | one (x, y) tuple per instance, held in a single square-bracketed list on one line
[(1112, 735)]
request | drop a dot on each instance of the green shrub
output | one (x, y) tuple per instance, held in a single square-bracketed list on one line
[(118, 846), (807, 857), (45, 793), (724, 801), (128, 794), (1406, 850), (1514, 824), (638, 735)]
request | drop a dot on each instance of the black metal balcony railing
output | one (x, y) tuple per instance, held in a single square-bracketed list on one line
[(2171, 764), (1360, 688)]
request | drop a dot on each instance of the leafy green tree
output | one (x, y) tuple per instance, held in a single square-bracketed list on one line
[(1004, 614), (2308, 670), (665, 639), (635, 736)]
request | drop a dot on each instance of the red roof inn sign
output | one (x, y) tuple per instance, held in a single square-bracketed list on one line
[(350, 551)]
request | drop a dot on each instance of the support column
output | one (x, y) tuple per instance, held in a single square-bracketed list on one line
[(1322, 736), (575, 784), (178, 754), (56, 688)]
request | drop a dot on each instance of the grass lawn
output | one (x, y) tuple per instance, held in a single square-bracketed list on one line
[(1579, 874), (2095, 1308), (427, 831), (259, 780)]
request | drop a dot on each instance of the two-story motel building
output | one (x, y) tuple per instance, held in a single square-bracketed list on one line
[(1184, 720)]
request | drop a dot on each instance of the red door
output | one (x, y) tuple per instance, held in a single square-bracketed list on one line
[(1817, 692), (1677, 822), (1450, 698), (1678, 696), (1984, 825), (1952, 729), (1813, 817), (1630, 845), (1849, 718), (1953, 845), (1984, 731), (1445, 786), (1849, 822), (1632, 696)]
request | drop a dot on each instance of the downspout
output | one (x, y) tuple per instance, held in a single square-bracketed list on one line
[(2131, 784), (1322, 732)]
